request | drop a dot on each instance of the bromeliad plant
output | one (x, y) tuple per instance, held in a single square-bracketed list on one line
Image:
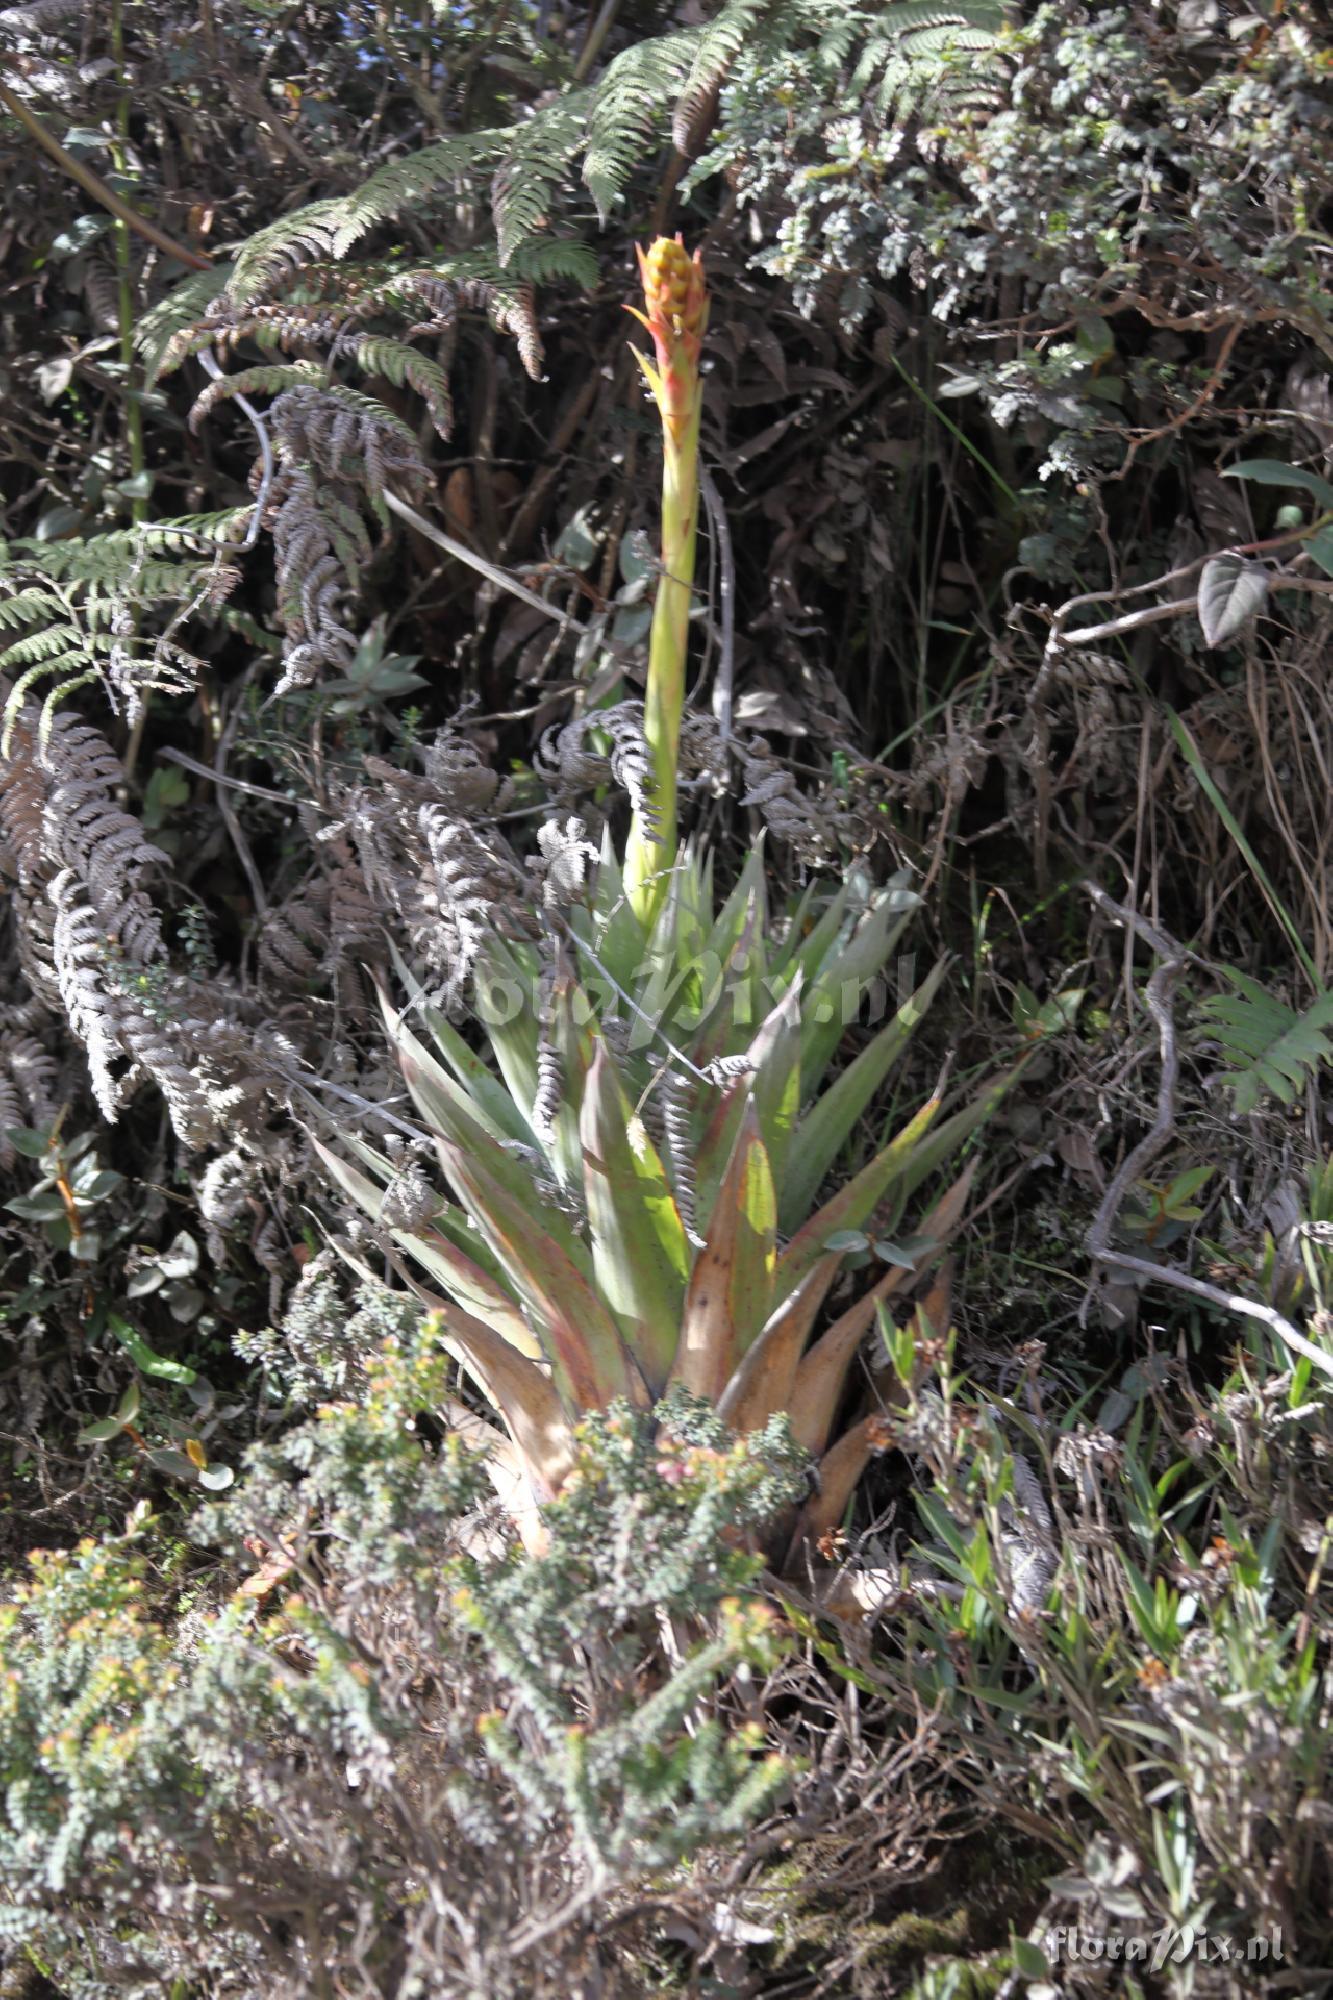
[(634, 1189)]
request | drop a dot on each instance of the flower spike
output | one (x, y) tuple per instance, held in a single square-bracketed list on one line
[(675, 295)]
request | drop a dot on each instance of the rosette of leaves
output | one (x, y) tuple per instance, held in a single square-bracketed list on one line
[(636, 1191)]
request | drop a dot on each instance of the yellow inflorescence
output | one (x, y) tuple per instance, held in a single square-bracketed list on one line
[(673, 286)]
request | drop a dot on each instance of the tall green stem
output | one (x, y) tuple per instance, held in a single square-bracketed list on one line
[(677, 313)]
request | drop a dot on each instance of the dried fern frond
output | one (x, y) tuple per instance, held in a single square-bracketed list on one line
[(90, 1004), (32, 1072), (319, 544), (471, 879), (58, 813), (347, 436), (89, 939), (571, 766)]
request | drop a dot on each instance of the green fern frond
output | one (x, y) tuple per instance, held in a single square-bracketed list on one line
[(157, 329), (716, 47), (931, 62), (536, 161), (273, 252), (629, 105), (33, 601), (1272, 1047), (405, 367), (119, 559), (266, 380), (412, 182), (553, 260), (44, 644)]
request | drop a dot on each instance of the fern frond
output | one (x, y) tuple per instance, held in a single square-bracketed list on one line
[(932, 63), (33, 1072), (553, 260), (405, 367), (413, 182), (114, 560), (716, 49), (348, 436), (90, 1008), (34, 600), (281, 247), (261, 381), (629, 105), (1272, 1047), (536, 161), (43, 644), (157, 329)]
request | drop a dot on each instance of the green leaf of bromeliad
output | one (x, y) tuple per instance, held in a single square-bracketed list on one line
[(640, 1252)]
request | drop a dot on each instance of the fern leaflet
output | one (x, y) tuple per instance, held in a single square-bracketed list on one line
[(1272, 1047)]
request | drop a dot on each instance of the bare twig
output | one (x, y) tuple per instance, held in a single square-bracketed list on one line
[(1158, 1001), (247, 409), (1152, 614), (724, 686), (500, 577), (227, 810)]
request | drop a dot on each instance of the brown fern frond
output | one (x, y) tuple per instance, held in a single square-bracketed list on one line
[(571, 767), (314, 577), (695, 117), (9, 1115), (294, 937), (32, 1070), (92, 1007), (347, 436), (58, 813), (515, 312)]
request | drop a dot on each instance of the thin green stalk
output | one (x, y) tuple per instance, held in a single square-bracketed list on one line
[(677, 313), (954, 431)]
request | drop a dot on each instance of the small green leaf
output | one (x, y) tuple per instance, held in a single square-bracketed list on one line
[(1273, 472), (31, 1144), (1029, 1959), (100, 1430), (898, 1254), (1320, 546), (144, 1357), (45, 1207), (173, 1462)]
